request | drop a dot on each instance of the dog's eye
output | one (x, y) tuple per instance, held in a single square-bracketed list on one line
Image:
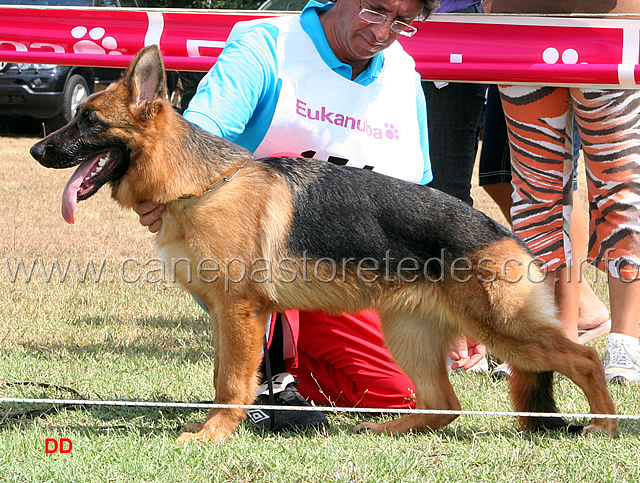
[(92, 120), (93, 117)]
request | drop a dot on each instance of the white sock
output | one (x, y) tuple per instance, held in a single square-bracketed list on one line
[(624, 339)]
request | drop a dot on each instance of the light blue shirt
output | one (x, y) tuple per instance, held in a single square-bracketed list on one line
[(237, 98)]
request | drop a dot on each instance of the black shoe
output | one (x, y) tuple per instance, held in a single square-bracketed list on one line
[(284, 394)]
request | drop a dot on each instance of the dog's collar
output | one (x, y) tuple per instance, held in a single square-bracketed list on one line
[(217, 184)]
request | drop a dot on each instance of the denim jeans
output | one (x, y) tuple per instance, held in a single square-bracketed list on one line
[(453, 115), (495, 156)]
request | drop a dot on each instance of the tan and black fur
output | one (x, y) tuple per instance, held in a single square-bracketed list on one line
[(287, 214)]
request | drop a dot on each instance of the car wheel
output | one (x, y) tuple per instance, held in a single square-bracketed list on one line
[(76, 91)]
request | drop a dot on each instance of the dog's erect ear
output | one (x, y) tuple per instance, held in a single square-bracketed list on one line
[(146, 76)]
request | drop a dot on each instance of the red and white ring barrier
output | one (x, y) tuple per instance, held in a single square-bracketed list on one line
[(549, 50)]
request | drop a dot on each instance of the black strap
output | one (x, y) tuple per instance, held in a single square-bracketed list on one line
[(267, 370), (35, 413)]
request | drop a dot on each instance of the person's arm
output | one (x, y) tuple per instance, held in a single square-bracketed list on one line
[(421, 104), (241, 80)]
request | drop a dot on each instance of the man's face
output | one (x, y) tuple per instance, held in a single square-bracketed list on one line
[(359, 40)]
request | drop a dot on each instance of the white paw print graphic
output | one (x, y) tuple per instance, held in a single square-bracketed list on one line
[(107, 45), (551, 55)]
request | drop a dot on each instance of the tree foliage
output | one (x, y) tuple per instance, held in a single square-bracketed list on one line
[(205, 4)]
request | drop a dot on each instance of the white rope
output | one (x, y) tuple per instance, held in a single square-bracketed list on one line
[(183, 405)]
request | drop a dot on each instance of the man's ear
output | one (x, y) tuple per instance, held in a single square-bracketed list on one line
[(146, 78)]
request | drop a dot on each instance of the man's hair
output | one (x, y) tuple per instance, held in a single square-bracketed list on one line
[(429, 7)]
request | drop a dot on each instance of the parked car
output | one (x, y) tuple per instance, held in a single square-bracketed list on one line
[(54, 92)]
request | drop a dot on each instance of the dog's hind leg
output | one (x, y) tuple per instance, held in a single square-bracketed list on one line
[(513, 313), (518, 324), (238, 336), (532, 391), (421, 353)]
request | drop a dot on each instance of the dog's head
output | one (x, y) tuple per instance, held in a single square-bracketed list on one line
[(106, 131)]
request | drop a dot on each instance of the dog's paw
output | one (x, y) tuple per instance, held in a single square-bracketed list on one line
[(190, 432), (368, 428), (192, 427), (200, 433), (608, 426), (186, 437)]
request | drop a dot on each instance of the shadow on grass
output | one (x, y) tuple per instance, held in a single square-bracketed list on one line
[(169, 422), (196, 325), (179, 352), (102, 419), (535, 437), (180, 338), (471, 433)]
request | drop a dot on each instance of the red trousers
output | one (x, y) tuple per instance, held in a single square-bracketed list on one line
[(341, 360)]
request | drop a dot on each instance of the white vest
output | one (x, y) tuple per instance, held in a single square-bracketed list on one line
[(319, 110)]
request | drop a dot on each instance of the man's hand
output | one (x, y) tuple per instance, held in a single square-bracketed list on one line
[(467, 353), (150, 213)]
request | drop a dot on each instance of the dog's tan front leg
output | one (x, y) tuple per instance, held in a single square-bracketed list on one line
[(238, 340)]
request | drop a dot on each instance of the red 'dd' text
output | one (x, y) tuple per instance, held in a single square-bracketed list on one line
[(62, 445)]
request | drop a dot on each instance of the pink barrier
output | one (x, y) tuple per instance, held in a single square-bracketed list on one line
[(475, 48)]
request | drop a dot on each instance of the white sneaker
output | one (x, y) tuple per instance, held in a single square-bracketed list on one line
[(502, 370), (622, 361)]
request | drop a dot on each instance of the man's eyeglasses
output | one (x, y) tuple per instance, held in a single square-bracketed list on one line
[(397, 26)]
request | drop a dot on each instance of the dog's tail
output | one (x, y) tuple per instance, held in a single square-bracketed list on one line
[(533, 392)]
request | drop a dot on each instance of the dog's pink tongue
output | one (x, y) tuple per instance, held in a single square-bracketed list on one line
[(70, 194)]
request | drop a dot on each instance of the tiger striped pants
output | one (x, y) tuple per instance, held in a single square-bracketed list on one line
[(539, 123)]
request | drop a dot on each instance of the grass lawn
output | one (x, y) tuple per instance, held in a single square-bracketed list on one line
[(120, 330)]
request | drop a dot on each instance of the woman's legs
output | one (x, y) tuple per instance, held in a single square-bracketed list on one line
[(625, 306), (592, 312), (609, 123), (540, 128)]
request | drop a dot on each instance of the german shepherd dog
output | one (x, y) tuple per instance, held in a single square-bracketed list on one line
[(321, 237)]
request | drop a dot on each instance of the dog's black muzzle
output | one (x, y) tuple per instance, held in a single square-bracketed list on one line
[(51, 153), (37, 151)]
